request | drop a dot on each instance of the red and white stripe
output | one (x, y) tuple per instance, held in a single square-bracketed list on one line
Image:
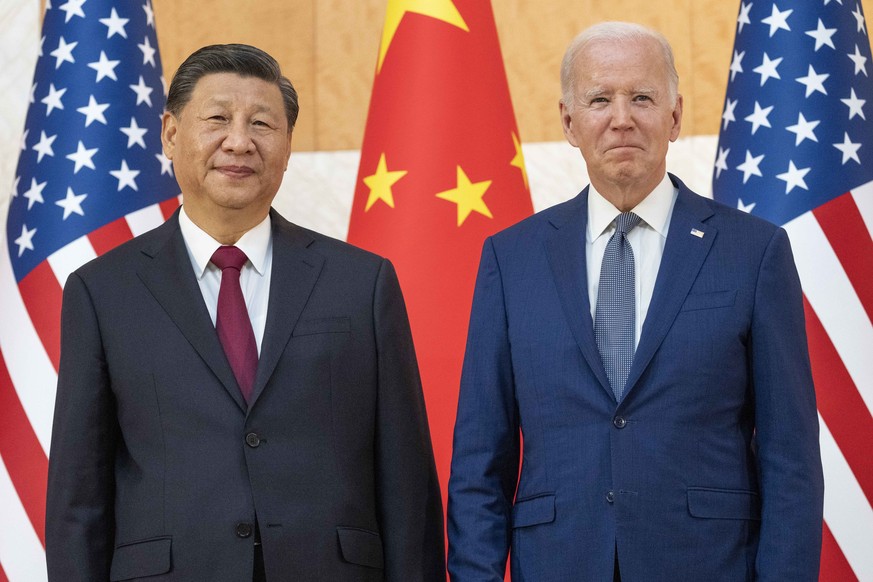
[(29, 356), (833, 250)]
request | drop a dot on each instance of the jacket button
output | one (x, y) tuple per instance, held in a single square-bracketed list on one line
[(619, 422), (253, 440), (610, 496), (243, 530)]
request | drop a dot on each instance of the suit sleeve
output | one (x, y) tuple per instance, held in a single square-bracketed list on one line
[(486, 441), (410, 505), (786, 423), (81, 486)]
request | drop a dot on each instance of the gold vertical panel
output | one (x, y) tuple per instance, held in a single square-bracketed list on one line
[(347, 37), (533, 37), (283, 28), (714, 23), (328, 48)]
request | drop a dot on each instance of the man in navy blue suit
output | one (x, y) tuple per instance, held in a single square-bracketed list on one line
[(649, 345)]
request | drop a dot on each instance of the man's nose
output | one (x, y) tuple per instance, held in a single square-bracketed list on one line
[(622, 114), (238, 138)]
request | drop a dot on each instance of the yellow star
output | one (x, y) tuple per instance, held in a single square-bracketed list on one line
[(440, 9), (518, 160), (467, 196), (380, 184)]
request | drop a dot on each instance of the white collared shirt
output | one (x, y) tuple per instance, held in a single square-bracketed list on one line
[(257, 244), (647, 241)]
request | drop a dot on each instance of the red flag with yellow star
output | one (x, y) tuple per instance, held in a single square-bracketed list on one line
[(441, 169)]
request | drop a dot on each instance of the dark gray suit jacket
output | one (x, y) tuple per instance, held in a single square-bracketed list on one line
[(159, 470)]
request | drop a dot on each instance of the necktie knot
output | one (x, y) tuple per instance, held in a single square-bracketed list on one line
[(229, 257), (626, 221)]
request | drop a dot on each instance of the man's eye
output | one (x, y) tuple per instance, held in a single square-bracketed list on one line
[(217, 118)]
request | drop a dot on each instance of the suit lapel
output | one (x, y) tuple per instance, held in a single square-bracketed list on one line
[(566, 252), (169, 277), (688, 243), (295, 270)]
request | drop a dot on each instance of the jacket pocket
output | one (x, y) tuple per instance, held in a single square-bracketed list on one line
[(697, 301), (724, 503), (140, 559), (534, 510), (360, 546), (322, 325)]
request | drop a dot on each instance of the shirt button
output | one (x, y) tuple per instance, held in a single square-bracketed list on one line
[(243, 530), (610, 496), (253, 440), (619, 422)]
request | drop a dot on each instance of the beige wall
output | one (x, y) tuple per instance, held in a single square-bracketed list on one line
[(328, 49)]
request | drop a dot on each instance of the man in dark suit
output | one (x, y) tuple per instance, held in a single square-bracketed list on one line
[(238, 397), (649, 344)]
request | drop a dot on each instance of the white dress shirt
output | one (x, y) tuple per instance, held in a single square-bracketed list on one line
[(647, 241), (257, 244)]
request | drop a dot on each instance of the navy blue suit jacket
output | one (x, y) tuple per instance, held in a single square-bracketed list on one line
[(159, 471), (709, 467)]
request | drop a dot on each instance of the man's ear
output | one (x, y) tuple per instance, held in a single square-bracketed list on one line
[(169, 125), (567, 123), (677, 119)]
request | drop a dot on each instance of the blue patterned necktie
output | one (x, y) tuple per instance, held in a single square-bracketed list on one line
[(615, 315)]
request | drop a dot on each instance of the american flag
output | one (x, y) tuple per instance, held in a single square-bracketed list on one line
[(796, 148), (91, 174)]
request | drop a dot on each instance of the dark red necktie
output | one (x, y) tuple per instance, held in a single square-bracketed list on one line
[(232, 322)]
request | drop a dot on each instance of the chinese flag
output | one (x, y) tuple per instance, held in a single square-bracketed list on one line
[(441, 169)]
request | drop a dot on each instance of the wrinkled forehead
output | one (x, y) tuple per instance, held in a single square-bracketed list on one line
[(621, 51), (636, 64)]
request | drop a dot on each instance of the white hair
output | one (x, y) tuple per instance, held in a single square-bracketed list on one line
[(615, 31)]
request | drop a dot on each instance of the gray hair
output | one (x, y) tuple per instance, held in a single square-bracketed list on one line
[(242, 59), (615, 31)]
